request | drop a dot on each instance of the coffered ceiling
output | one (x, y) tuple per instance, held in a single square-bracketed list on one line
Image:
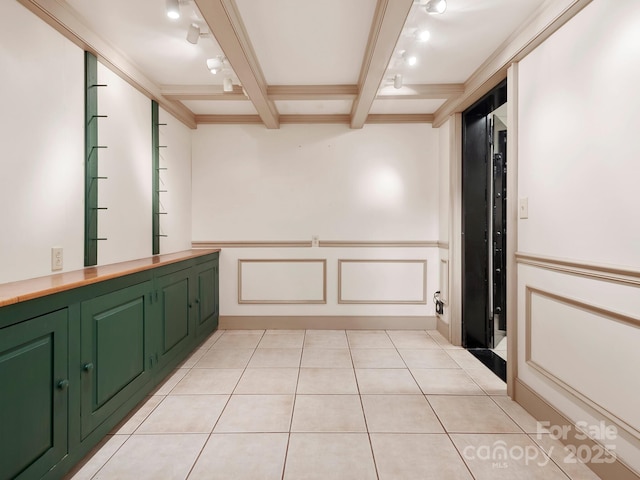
[(294, 61)]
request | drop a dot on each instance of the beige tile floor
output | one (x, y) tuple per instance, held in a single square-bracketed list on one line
[(328, 404)]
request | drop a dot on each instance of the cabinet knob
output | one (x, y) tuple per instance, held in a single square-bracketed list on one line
[(63, 384), (87, 367), (197, 300)]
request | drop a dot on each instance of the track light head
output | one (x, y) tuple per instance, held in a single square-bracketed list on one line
[(193, 34), (173, 9), (436, 6), (215, 64), (397, 81)]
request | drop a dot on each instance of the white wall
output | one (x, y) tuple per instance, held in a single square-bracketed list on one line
[(127, 163), (444, 207), (42, 164), (42, 138), (375, 184), (578, 165)]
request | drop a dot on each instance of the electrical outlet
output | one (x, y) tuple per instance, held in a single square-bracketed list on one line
[(315, 241), (56, 259)]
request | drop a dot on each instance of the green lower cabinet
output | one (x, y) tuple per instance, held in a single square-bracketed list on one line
[(174, 326), (34, 395), (206, 297), (114, 349), (67, 377)]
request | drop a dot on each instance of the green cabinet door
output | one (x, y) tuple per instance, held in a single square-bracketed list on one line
[(174, 327), (114, 348), (33, 395), (206, 297)]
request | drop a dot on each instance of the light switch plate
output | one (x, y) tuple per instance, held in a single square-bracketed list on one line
[(523, 208)]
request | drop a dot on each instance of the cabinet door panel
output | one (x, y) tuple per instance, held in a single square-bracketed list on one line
[(33, 409), (207, 298), (113, 352), (119, 344), (175, 315)]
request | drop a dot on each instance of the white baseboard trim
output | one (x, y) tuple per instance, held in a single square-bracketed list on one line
[(544, 411), (231, 322), (443, 328)]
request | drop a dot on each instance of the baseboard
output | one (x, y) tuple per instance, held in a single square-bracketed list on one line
[(443, 328), (231, 322), (541, 410)]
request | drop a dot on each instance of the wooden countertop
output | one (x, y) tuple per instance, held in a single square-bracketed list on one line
[(24, 290)]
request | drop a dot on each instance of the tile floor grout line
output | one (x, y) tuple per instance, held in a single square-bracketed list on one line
[(293, 408), (548, 455), (364, 416)]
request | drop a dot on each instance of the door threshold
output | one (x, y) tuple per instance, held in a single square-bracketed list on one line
[(491, 360)]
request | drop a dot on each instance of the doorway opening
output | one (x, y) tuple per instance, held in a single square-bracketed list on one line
[(484, 229)]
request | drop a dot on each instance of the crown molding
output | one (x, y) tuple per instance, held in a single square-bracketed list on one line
[(548, 19), (65, 20)]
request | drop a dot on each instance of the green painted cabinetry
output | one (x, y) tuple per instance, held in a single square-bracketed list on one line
[(113, 330), (33, 396), (174, 318), (206, 299), (74, 363)]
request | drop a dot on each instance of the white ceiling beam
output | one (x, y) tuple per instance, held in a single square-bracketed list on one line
[(225, 24), (424, 92), (312, 92), (549, 18), (388, 21), (344, 119), (64, 20), (201, 92)]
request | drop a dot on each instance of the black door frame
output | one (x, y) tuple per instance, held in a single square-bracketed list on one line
[(477, 329)]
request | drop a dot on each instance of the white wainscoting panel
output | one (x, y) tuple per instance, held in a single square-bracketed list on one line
[(265, 281), (382, 281), (595, 366)]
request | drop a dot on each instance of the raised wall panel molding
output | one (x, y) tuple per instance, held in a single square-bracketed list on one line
[(608, 273), (384, 285), (568, 384), (267, 275)]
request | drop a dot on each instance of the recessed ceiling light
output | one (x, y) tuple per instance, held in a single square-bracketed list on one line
[(173, 9), (412, 60), (436, 6)]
